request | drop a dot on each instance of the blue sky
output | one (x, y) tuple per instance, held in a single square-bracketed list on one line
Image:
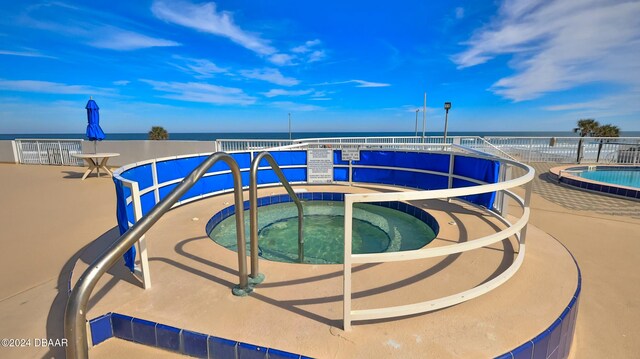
[(237, 66)]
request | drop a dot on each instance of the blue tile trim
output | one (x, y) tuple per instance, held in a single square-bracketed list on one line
[(279, 354), (194, 344), (122, 327), (220, 348), (178, 340), (555, 341), (144, 331), (250, 351), (101, 328), (168, 337)]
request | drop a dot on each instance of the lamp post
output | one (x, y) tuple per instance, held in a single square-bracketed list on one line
[(289, 126), (418, 110), (447, 106)]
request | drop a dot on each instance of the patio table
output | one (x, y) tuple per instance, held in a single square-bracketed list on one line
[(96, 161)]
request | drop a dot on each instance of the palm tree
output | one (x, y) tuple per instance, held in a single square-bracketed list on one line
[(586, 127), (605, 131), (158, 133)]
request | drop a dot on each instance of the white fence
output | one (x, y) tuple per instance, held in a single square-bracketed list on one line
[(619, 150), (49, 152), (622, 150)]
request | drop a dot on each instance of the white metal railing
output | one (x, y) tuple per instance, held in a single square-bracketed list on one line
[(250, 145), (518, 229), (624, 150), (49, 151)]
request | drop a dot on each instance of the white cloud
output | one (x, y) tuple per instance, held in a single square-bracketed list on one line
[(303, 49), (317, 56), (90, 26), (309, 52), (121, 82), (201, 92), (360, 83), (205, 17), (270, 75), (558, 45), (293, 106), (24, 54), (122, 40), (459, 12), (36, 86), (281, 59), (281, 92), (201, 68), (611, 105)]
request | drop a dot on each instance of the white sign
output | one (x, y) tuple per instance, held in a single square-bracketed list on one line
[(320, 165), (350, 154)]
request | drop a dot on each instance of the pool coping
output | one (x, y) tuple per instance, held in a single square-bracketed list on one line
[(619, 191)]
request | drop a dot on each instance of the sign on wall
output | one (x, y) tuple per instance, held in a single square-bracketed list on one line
[(350, 154), (320, 165)]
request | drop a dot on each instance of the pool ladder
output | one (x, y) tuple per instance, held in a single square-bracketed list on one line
[(255, 276), (75, 317)]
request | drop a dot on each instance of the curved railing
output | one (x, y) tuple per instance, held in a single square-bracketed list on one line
[(518, 229), (160, 183)]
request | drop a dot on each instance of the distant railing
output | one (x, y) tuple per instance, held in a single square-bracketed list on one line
[(618, 150), (250, 145), (49, 151), (622, 150)]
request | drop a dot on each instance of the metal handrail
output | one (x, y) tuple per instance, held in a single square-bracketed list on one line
[(76, 311), (504, 154), (253, 211)]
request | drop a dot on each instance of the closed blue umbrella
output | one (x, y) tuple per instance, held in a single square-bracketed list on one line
[(94, 132)]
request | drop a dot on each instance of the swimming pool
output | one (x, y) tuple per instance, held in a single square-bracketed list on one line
[(621, 181), (624, 176), (376, 229)]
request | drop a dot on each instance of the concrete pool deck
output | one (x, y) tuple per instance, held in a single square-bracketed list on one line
[(47, 219), (300, 306)]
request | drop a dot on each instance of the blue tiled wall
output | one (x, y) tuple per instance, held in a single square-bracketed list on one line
[(179, 340), (618, 191), (555, 341), (402, 175)]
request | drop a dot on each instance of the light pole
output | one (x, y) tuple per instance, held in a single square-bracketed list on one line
[(418, 110), (447, 106), (289, 126), (424, 116)]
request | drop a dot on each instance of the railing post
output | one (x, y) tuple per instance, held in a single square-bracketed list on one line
[(452, 160), (16, 151), (507, 173), (142, 243), (346, 290), (154, 177), (39, 155), (61, 157)]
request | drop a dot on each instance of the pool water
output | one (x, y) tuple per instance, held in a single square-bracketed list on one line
[(376, 229), (624, 177)]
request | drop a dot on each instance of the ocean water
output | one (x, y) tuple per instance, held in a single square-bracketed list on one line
[(210, 136)]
